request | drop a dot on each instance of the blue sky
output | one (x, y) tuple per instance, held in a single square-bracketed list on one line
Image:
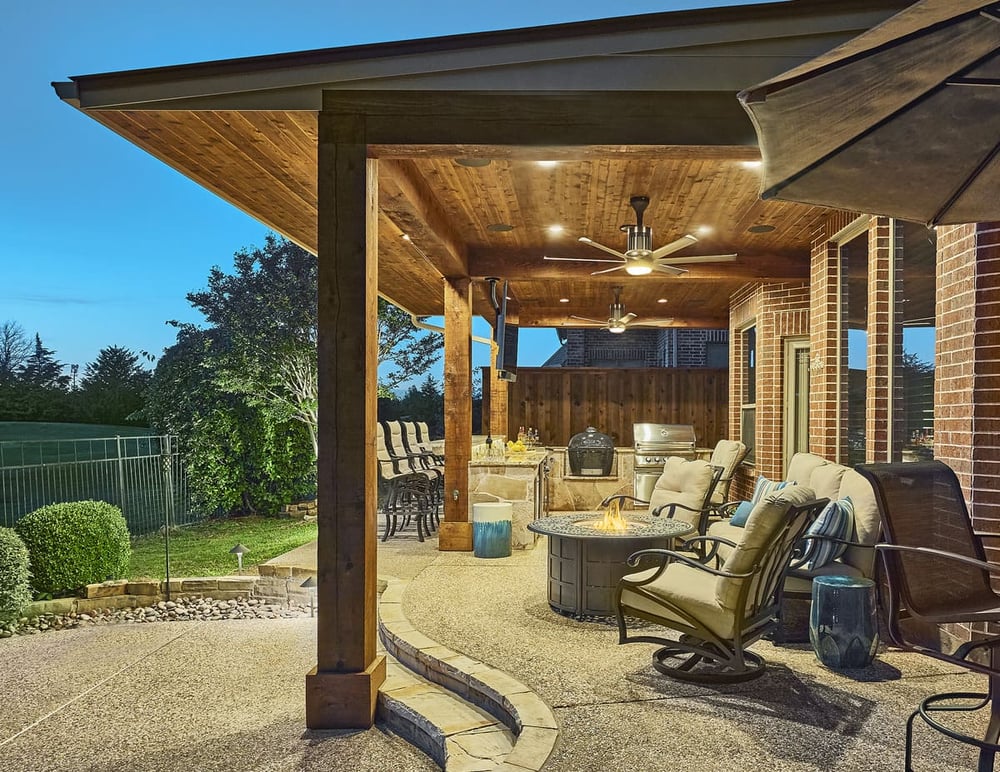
[(101, 242)]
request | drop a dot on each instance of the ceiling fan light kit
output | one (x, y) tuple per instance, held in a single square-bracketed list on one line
[(640, 259)]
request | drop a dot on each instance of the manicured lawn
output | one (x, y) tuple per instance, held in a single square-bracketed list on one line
[(203, 549)]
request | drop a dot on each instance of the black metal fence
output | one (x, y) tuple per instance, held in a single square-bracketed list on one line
[(143, 476)]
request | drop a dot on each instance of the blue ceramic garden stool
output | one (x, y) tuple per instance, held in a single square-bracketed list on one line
[(843, 624), (491, 529)]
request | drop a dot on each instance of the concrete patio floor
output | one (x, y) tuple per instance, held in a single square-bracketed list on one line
[(229, 695)]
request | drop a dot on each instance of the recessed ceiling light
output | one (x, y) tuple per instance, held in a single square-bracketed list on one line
[(473, 162), (555, 229), (564, 300), (704, 230), (752, 164), (547, 164), (760, 228), (499, 227), (406, 237), (661, 300)]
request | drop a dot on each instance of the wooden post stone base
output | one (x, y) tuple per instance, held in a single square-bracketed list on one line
[(455, 536), (343, 700)]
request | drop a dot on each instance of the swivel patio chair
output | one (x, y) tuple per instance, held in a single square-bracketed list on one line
[(683, 492), (727, 455), (718, 612), (937, 575)]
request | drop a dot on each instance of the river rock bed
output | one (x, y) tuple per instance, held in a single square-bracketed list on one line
[(182, 610)]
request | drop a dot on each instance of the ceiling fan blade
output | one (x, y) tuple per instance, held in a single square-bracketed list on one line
[(581, 259), (609, 270), (609, 250), (628, 318), (698, 259), (669, 269), (653, 323), (585, 319), (673, 246)]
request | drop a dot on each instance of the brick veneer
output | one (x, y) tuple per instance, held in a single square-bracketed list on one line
[(967, 356), (780, 311)]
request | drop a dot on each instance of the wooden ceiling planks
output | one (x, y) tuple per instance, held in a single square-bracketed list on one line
[(264, 162)]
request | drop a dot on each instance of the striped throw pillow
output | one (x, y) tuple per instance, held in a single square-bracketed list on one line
[(766, 487), (837, 521)]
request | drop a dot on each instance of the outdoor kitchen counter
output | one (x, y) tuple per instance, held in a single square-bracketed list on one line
[(518, 478)]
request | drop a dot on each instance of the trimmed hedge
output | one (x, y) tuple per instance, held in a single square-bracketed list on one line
[(15, 577), (75, 544)]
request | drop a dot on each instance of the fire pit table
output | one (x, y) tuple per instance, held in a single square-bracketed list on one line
[(585, 562)]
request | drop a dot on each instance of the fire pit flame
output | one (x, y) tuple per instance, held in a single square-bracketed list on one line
[(613, 520)]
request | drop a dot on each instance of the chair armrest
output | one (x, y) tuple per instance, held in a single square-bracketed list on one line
[(672, 507), (798, 561), (935, 553), (622, 497), (671, 556)]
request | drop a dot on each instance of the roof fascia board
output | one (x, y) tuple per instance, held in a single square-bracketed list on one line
[(147, 87), (726, 68), (540, 118)]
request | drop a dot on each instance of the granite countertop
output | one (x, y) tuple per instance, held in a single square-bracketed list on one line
[(527, 459)]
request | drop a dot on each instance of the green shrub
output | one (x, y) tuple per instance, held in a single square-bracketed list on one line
[(74, 544), (15, 584)]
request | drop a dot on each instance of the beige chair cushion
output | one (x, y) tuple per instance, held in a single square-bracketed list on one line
[(682, 482), (825, 481), (867, 522), (763, 524), (801, 467), (803, 585), (687, 587), (727, 454), (725, 530)]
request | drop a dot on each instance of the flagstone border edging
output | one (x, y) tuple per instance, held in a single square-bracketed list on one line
[(499, 694)]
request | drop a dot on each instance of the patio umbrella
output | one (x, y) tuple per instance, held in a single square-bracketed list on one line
[(903, 120)]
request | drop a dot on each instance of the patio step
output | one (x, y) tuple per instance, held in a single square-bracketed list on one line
[(465, 714)]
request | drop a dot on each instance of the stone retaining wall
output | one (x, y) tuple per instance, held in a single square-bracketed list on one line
[(284, 589)]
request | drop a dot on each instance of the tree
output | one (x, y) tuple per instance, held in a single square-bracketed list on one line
[(14, 351), (410, 350), (113, 386), (241, 390), (41, 369)]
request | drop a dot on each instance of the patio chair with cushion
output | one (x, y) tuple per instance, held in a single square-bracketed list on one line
[(727, 455), (937, 575), (682, 492), (719, 612)]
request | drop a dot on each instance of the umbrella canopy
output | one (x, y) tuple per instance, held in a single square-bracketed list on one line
[(903, 120)]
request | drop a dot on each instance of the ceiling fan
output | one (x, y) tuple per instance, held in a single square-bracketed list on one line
[(618, 321), (640, 258)]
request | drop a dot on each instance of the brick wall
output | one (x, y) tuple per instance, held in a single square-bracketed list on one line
[(780, 311), (640, 347)]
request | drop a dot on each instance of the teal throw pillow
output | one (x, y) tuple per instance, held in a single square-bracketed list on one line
[(836, 521), (741, 514)]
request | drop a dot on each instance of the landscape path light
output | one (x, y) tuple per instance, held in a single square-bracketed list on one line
[(239, 551)]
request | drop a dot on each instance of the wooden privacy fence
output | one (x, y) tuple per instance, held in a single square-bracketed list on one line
[(560, 402)]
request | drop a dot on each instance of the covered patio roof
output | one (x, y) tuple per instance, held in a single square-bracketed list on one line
[(247, 129)]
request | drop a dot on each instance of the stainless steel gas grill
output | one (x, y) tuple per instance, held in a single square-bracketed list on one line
[(654, 444)]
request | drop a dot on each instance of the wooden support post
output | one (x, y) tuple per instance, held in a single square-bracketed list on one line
[(456, 530), (498, 399), (341, 691)]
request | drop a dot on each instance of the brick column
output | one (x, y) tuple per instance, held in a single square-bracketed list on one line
[(884, 342), (827, 343), (967, 366)]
